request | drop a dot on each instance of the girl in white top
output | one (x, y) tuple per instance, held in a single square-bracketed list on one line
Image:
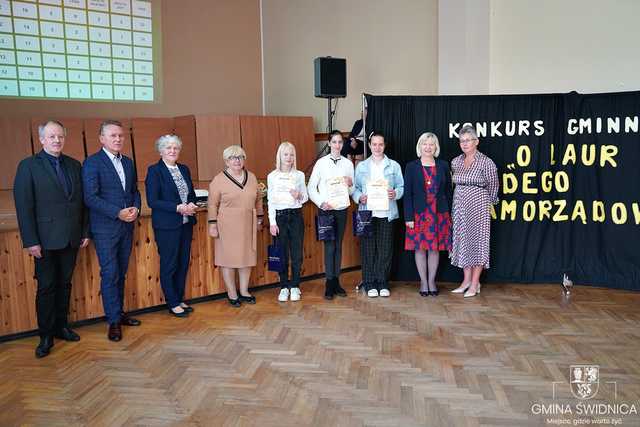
[(286, 193), (331, 168)]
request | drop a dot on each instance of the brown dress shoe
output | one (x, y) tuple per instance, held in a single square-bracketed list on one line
[(129, 321), (115, 332)]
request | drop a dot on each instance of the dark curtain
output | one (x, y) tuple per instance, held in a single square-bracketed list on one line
[(538, 250)]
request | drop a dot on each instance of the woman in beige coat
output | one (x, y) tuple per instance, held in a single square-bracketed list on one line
[(235, 215)]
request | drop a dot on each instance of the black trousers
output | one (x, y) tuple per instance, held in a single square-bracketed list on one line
[(376, 252), (291, 226), (333, 248), (53, 273), (174, 247)]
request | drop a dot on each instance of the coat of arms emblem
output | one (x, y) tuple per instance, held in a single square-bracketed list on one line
[(584, 380)]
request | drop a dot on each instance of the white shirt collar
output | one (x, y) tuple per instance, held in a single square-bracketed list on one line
[(169, 166), (110, 154)]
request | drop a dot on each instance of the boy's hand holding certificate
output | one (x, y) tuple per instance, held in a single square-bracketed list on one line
[(378, 195)]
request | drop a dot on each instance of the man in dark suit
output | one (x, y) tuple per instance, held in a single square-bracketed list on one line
[(112, 196), (53, 225)]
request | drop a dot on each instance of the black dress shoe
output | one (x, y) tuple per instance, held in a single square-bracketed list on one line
[(188, 308), (183, 313), (249, 300), (43, 349), (115, 332), (234, 302), (67, 334), (337, 289), (328, 289), (129, 321)]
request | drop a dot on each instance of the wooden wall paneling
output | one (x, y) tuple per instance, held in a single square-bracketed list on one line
[(350, 244), (86, 297), (204, 277), (312, 249), (144, 133), (213, 135), (299, 131), (17, 286), (142, 287), (74, 142), (15, 136), (261, 275), (260, 140), (185, 128), (92, 143)]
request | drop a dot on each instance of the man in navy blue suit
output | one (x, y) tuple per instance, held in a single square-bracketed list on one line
[(112, 196)]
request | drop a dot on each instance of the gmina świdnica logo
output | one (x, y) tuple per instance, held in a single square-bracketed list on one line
[(584, 380)]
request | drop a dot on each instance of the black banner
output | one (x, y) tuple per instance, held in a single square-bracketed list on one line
[(569, 167)]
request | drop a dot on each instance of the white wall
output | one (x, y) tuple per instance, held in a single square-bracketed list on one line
[(463, 47), (391, 48), (560, 46)]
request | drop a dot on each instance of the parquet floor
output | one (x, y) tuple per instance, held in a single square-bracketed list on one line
[(402, 361)]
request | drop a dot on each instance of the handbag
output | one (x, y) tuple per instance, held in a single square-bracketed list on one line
[(325, 227), (274, 257), (362, 226)]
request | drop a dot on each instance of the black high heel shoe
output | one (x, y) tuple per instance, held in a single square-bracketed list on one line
[(424, 293), (249, 300), (434, 293), (234, 302)]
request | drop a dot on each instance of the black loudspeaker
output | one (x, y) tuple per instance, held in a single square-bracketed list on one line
[(330, 77)]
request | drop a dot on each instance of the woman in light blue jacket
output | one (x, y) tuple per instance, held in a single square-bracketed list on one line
[(377, 249)]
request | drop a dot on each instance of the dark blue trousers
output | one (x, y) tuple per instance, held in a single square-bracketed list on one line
[(113, 255), (174, 247)]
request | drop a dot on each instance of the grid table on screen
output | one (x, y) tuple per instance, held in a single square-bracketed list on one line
[(76, 49)]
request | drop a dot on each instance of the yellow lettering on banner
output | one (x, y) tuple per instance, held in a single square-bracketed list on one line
[(492, 212), (529, 210), (559, 216), (579, 211), (546, 179), (523, 155), (636, 212), (545, 209), (508, 207), (619, 213), (553, 158), (527, 177), (562, 182), (607, 152), (569, 155), (509, 183), (598, 211), (588, 154)]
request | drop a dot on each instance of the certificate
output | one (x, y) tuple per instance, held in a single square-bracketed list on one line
[(377, 195), (337, 193), (282, 190)]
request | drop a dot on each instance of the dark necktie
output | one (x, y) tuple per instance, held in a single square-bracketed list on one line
[(335, 161), (61, 178)]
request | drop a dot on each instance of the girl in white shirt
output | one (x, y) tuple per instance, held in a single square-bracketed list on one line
[(286, 193), (326, 170)]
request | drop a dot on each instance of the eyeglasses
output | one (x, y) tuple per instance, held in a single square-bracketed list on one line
[(238, 158), (464, 141)]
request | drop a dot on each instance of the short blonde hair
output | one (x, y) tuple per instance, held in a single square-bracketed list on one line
[(423, 140), (233, 150), (283, 146)]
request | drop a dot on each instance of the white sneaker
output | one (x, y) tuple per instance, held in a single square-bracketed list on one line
[(372, 293), (284, 295), (295, 294), (384, 292)]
